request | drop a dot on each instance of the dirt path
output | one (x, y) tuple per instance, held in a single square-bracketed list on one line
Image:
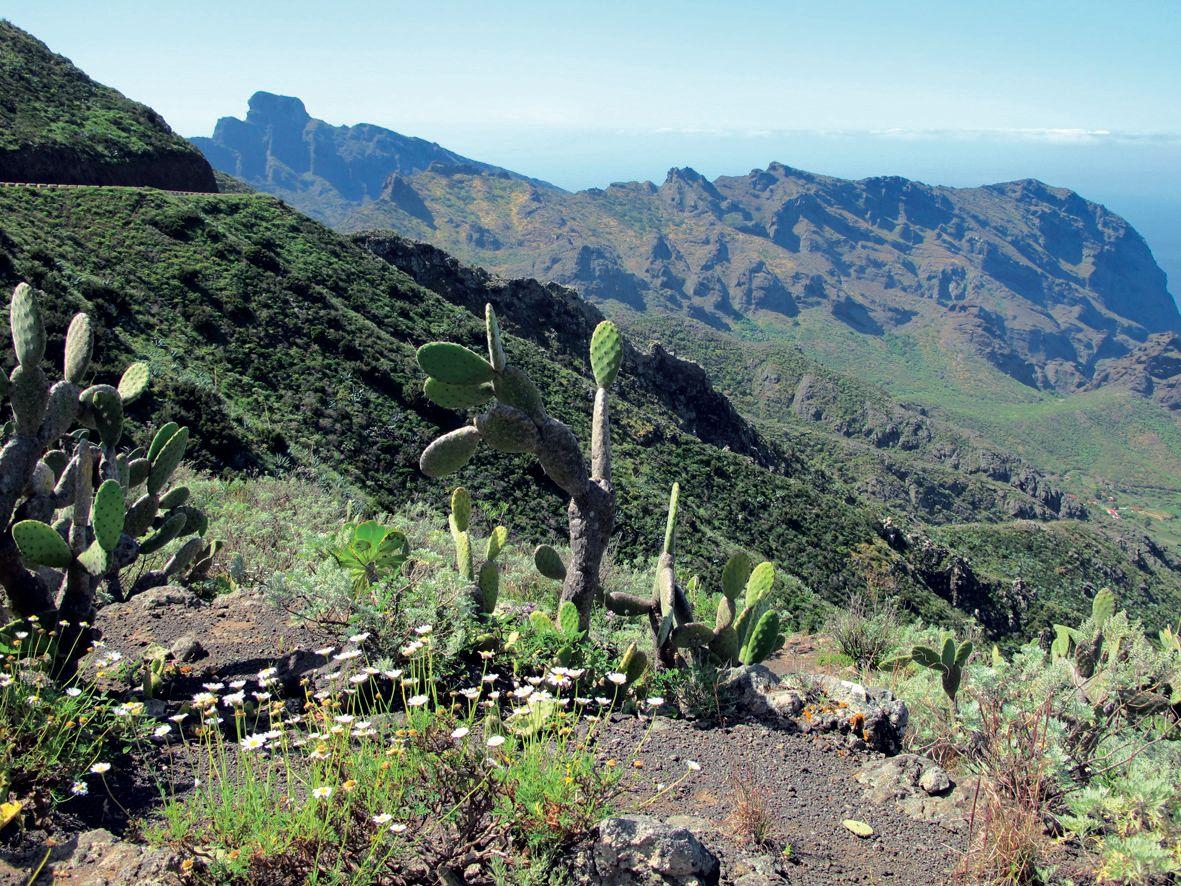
[(805, 787)]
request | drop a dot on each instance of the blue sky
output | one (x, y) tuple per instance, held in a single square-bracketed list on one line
[(1082, 94)]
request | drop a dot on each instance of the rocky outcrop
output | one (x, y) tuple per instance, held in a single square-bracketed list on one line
[(862, 717), (1152, 370), (920, 788), (642, 849)]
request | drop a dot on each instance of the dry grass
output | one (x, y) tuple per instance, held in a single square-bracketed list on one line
[(751, 821)]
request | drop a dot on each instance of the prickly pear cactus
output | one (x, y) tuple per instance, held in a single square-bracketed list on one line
[(516, 422), (485, 587), (80, 510)]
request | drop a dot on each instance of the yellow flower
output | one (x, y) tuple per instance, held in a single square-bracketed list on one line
[(612, 763), (348, 785)]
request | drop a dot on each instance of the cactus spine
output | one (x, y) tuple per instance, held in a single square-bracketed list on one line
[(65, 522), (517, 422)]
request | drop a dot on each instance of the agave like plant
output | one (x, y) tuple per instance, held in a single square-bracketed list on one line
[(76, 511), (516, 422)]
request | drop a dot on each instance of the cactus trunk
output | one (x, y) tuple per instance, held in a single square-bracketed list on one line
[(592, 519)]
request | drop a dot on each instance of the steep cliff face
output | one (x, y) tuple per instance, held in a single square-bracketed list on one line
[(1152, 370), (58, 126)]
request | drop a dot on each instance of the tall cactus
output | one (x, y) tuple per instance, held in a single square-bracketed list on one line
[(745, 637), (64, 515), (517, 422), (485, 581)]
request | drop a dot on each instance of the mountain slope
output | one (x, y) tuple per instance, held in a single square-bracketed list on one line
[(323, 169), (59, 126)]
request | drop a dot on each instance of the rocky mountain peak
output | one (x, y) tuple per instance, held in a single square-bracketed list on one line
[(268, 108)]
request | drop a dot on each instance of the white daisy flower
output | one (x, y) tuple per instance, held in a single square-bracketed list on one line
[(416, 701), (461, 732), (495, 741), (79, 789), (73, 692), (322, 793), (617, 678), (100, 768), (384, 818)]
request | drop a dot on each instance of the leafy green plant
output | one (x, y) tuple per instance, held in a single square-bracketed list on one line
[(370, 553), (458, 378), (950, 662), (866, 633)]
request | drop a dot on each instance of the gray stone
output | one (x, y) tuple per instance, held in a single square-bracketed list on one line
[(643, 849), (935, 780), (187, 648), (168, 595), (900, 780), (99, 858)]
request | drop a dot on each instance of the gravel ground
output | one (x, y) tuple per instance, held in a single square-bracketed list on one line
[(803, 786)]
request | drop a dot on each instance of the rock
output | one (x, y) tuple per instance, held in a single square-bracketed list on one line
[(918, 787), (156, 598), (644, 849), (186, 648), (99, 858), (935, 781)]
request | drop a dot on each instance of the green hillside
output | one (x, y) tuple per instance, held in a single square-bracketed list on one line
[(58, 125), (285, 345)]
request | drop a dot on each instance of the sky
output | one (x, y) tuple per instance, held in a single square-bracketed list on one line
[(1081, 94)]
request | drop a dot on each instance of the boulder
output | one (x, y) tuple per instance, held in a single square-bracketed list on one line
[(642, 849), (919, 787), (99, 858)]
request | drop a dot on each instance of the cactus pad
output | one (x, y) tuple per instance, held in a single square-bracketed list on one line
[(107, 514), (454, 364), (166, 460), (496, 543), (106, 410), (670, 528), (28, 331), (456, 396), (735, 574), (41, 545), (463, 549), (628, 604), (174, 498), (95, 559), (606, 353), (758, 586), (29, 393), (162, 436), (568, 620), (549, 563), (633, 663), (508, 429), (495, 344), (79, 347), (134, 382), (489, 582), (692, 635), (762, 639), (170, 529), (461, 507), (514, 388), (449, 453)]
